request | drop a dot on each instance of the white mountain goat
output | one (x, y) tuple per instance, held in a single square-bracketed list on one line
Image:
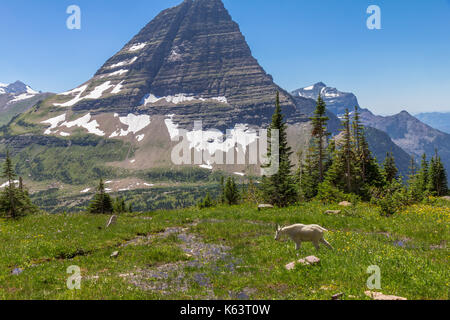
[(303, 233)]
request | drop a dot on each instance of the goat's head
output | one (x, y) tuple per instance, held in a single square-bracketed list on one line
[(278, 233)]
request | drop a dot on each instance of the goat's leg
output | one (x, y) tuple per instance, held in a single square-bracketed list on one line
[(325, 242), (316, 244), (298, 245)]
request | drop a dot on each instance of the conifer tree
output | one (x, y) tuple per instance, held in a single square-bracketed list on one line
[(437, 177), (390, 170), (308, 176), (14, 202), (320, 136), (231, 192), (279, 189), (102, 202)]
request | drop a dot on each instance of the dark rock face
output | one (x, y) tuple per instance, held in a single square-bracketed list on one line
[(336, 101), (194, 49)]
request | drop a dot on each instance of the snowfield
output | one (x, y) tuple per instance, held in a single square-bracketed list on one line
[(123, 63), (137, 47), (134, 123), (180, 98), (53, 122), (86, 123)]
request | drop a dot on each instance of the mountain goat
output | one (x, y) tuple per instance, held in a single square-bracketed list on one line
[(303, 233)]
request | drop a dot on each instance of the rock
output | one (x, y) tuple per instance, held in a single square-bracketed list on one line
[(381, 296), (345, 204), (333, 212), (265, 206), (446, 198), (16, 271), (115, 254), (337, 296), (290, 266), (311, 260), (111, 221)]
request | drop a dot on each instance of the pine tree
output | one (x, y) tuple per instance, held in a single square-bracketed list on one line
[(280, 189), (390, 170), (222, 190), (348, 152), (231, 192), (308, 176), (437, 177), (320, 136), (9, 174), (102, 202), (442, 182), (14, 202)]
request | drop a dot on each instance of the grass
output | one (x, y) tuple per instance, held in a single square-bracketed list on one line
[(245, 258)]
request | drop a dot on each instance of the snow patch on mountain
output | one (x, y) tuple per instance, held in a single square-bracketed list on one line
[(180, 98), (115, 73), (123, 63), (117, 88), (135, 124), (86, 123), (137, 47), (94, 94), (54, 122)]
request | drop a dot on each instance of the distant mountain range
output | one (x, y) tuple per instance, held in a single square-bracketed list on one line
[(438, 120), (402, 134), (16, 98)]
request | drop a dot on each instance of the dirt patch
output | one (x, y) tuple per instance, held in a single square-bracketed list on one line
[(171, 278)]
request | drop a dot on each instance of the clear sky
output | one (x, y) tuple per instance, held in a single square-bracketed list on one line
[(405, 65)]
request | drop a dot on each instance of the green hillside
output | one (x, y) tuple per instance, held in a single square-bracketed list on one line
[(225, 253)]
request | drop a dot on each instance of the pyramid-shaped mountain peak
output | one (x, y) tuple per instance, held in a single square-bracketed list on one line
[(190, 60)]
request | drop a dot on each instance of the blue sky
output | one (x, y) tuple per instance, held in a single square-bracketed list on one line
[(405, 65)]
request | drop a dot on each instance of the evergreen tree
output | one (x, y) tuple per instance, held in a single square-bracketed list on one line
[(102, 202), (348, 154), (280, 189), (9, 175), (14, 202), (320, 136), (222, 190), (390, 170), (308, 176), (231, 192), (207, 202), (437, 177)]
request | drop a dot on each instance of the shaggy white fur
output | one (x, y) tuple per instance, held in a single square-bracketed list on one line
[(303, 233)]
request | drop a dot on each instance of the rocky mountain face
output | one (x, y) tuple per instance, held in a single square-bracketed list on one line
[(438, 120), (337, 101), (191, 61), (411, 134), (16, 98)]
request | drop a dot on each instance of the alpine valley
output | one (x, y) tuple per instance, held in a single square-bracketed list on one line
[(190, 63)]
